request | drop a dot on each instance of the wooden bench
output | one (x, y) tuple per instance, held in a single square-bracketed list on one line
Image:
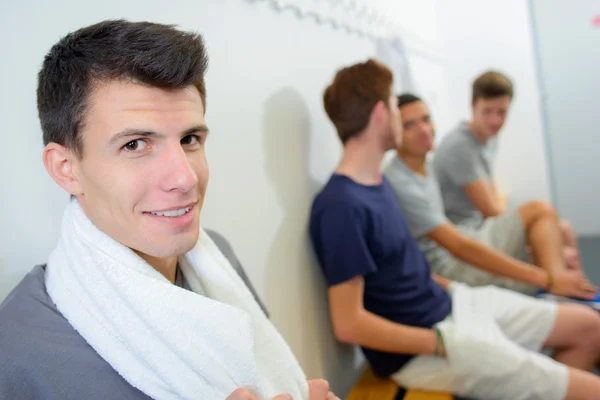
[(370, 387)]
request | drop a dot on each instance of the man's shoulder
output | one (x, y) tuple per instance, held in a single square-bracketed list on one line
[(40, 351), (339, 191), (395, 171), (24, 317), (455, 138), (405, 182), (31, 291), (29, 318), (26, 306)]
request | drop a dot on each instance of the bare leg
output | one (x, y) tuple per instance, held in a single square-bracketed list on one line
[(568, 232), (544, 234), (583, 385), (575, 336), (571, 247)]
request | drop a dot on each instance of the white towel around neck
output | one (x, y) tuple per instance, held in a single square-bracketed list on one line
[(168, 342)]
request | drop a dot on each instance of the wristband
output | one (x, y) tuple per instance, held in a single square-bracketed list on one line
[(438, 342)]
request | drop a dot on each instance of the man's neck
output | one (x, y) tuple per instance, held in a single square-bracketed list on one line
[(166, 266), (476, 132), (414, 163), (361, 162)]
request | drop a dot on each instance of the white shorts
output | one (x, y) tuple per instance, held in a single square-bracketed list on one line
[(492, 338), (504, 233)]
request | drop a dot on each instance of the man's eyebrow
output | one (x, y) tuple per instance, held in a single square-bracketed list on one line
[(196, 129), (133, 132), (130, 132)]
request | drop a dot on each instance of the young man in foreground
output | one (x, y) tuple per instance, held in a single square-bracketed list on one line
[(136, 300), (464, 163), (454, 255), (422, 330)]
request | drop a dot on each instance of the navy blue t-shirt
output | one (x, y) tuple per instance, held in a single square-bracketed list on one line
[(360, 230)]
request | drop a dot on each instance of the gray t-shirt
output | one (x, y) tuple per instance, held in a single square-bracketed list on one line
[(43, 357), (421, 201), (459, 160)]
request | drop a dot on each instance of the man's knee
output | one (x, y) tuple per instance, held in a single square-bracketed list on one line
[(592, 327), (588, 321), (535, 210), (567, 227)]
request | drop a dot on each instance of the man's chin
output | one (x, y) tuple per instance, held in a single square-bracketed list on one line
[(184, 246), (493, 133), (176, 248)]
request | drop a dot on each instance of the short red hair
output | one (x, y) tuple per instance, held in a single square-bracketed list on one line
[(355, 90)]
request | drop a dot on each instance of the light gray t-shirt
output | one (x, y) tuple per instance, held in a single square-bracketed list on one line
[(459, 160), (421, 201), (43, 357)]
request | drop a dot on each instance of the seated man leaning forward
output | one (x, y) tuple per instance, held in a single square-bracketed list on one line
[(136, 300), (464, 164), (422, 330), (457, 256)]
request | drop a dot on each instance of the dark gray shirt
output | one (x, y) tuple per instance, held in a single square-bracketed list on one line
[(421, 201), (43, 357), (460, 160)]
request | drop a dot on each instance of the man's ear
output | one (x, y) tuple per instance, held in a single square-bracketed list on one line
[(380, 112), (61, 165)]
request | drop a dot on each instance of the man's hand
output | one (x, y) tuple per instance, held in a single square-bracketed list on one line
[(243, 394), (572, 258), (318, 390), (572, 283)]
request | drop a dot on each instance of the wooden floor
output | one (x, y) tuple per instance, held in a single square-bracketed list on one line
[(370, 387)]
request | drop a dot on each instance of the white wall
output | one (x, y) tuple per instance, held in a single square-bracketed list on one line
[(477, 35), (569, 61), (271, 145)]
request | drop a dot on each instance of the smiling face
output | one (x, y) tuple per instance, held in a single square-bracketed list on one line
[(489, 115), (418, 129), (143, 174)]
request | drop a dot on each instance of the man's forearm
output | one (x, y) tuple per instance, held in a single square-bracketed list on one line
[(483, 197), (443, 282), (501, 199), (377, 333), (490, 260)]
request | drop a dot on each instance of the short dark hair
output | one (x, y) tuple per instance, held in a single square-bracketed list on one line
[(355, 90), (492, 84), (407, 98), (152, 54)]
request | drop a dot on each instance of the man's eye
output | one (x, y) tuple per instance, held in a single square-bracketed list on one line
[(135, 145), (190, 139)]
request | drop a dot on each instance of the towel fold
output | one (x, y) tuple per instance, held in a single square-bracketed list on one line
[(168, 342)]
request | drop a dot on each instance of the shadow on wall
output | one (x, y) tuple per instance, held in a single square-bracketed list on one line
[(295, 289)]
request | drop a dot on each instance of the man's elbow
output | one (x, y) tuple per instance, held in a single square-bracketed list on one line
[(492, 211), (345, 332)]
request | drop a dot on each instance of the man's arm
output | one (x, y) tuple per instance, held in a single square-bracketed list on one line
[(443, 282), (485, 258), (462, 164), (484, 197), (353, 324)]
